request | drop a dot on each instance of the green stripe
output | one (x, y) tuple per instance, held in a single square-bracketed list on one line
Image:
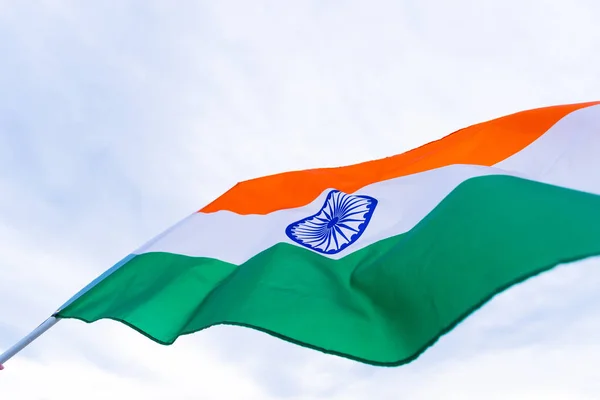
[(384, 304)]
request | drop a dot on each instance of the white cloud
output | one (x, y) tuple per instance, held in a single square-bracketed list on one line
[(117, 120)]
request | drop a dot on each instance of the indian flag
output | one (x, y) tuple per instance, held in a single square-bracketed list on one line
[(373, 261)]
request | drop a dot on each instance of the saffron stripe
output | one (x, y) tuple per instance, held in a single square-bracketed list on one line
[(483, 144)]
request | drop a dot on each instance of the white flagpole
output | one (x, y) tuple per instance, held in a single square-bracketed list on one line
[(21, 344)]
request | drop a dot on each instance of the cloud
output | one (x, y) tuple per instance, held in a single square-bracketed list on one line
[(118, 119)]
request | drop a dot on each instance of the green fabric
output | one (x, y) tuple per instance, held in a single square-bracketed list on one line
[(383, 304)]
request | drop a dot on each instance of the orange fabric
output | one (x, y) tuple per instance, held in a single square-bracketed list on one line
[(484, 144)]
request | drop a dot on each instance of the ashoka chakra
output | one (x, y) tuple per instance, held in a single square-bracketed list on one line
[(339, 223)]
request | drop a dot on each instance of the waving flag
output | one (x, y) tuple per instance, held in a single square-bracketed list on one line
[(372, 261)]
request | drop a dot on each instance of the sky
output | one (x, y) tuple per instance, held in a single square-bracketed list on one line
[(119, 118)]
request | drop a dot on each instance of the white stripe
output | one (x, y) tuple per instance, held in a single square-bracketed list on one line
[(568, 155)]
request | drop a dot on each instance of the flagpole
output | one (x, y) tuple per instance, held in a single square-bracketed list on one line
[(21, 344)]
